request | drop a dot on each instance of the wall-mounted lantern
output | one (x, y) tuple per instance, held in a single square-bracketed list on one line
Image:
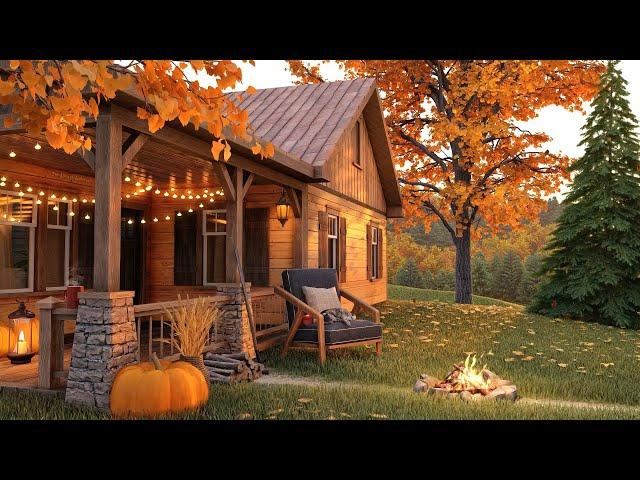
[(282, 208)]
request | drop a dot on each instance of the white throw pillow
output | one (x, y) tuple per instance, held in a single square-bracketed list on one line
[(321, 299)]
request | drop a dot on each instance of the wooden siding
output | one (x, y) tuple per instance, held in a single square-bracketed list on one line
[(361, 184), (357, 217)]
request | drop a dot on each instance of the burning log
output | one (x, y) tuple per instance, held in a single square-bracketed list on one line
[(468, 382), (233, 367)]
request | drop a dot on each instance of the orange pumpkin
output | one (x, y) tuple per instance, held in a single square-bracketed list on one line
[(157, 387)]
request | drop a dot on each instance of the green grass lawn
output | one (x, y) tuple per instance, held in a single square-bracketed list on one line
[(546, 358), (399, 292)]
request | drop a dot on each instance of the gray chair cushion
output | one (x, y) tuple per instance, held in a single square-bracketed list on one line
[(338, 332)]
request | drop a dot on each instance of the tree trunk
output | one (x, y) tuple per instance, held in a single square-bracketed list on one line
[(463, 267)]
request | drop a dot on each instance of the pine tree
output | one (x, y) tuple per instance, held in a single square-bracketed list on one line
[(530, 279), (594, 262), (480, 269), (409, 274), (511, 275), (496, 289)]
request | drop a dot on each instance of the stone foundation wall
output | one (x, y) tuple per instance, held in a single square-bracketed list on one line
[(105, 340), (233, 326)]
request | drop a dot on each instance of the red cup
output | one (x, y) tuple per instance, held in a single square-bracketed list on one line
[(307, 320), (71, 295)]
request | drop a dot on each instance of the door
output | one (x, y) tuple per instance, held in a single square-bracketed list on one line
[(131, 266), (256, 246)]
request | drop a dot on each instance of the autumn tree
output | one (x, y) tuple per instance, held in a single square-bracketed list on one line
[(409, 275), (62, 97), (456, 129)]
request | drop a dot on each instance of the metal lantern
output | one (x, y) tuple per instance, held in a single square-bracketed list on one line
[(19, 324), (282, 209)]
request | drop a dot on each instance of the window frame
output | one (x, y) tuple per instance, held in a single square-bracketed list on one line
[(67, 240), (205, 214), (32, 237), (375, 260), (335, 238)]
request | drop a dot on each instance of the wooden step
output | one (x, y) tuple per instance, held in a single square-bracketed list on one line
[(268, 342)]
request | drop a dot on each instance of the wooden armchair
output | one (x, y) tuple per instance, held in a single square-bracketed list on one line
[(323, 336)]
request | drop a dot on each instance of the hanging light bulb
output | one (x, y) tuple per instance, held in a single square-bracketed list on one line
[(4, 179), (148, 187), (182, 197), (197, 197), (75, 200), (201, 205), (93, 200), (71, 214), (2, 184), (175, 195), (157, 192), (128, 196), (52, 196), (135, 194), (55, 207), (84, 200), (204, 195), (130, 222), (29, 189), (167, 217), (179, 214), (143, 221), (222, 194), (87, 217), (17, 185), (12, 154), (166, 194), (211, 199), (21, 194), (206, 190), (189, 192), (41, 193), (155, 219), (64, 198), (138, 184), (190, 197), (37, 146), (190, 210), (173, 189), (38, 202), (127, 179)]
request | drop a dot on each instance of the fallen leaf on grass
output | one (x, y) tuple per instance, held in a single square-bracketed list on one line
[(378, 415), (528, 358), (243, 416), (393, 345), (305, 400), (275, 412), (509, 359), (607, 365), (563, 365)]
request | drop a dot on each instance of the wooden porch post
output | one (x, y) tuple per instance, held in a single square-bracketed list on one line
[(108, 178), (234, 225), (301, 230)]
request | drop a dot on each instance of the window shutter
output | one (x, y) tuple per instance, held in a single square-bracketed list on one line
[(342, 238), (323, 241), (369, 239), (199, 240), (380, 257)]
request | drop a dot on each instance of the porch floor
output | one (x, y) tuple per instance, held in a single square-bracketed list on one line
[(26, 376)]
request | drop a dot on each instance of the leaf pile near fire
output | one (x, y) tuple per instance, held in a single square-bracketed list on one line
[(468, 382)]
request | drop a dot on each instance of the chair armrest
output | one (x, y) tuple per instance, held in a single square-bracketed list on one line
[(375, 313), (298, 303)]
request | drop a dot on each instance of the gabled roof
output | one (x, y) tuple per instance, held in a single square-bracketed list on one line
[(307, 123)]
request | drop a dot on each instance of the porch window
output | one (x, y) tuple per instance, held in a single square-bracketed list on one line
[(184, 250), (59, 224), (18, 219), (214, 246), (332, 237)]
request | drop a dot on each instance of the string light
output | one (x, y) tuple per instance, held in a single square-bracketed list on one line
[(175, 195), (197, 197), (128, 196), (75, 200), (182, 197), (93, 200), (84, 200), (167, 217), (127, 179), (138, 184), (143, 221), (157, 192), (12, 154), (41, 193), (29, 189), (17, 185), (155, 219), (87, 217), (52, 196), (38, 202), (130, 221), (37, 146), (191, 210), (21, 194), (166, 194), (64, 198), (4, 179), (179, 214), (71, 214), (2, 184), (201, 205), (55, 207)]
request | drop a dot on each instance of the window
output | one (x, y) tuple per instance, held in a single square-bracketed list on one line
[(214, 248), (357, 160), (375, 261), (59, 224), (184, 250), (84, 226), (18, 219), (332, 235)]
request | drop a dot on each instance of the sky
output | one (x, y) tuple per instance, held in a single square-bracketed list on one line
[(561, 125)]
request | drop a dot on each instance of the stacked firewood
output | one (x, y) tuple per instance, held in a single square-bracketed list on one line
[(452, 382), (233, 367)]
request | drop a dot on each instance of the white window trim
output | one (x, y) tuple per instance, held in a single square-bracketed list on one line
[(335, 247), (206, 234), (375, 260), (32, 239), (67, 242)]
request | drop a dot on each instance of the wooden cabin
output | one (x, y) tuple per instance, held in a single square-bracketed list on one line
[(155, 214)]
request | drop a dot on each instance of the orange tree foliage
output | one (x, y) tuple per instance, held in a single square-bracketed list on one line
[(456, 131), (60, 96)]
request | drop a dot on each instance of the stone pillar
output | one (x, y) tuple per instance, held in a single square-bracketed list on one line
[(233, 326), (105, 340)]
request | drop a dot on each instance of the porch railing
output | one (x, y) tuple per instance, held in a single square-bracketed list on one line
[(269, 312), (51, 357), (153, 328)]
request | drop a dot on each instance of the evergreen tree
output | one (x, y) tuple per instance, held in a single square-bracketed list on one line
[(409, 274), (444, 280), (480, 269), (531, 279), (511, 275), (496, 289), (592, 270)]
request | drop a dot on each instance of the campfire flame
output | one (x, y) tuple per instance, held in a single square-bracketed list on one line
[(468, 377)]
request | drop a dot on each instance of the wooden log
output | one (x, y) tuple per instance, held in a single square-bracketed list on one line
[(214, 377), (236, 366), (221, 371), (222, 358)]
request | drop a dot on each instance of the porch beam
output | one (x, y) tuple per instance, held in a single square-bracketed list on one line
[(108, 179), (247, 185), (301, 232), (228, 185), (295, 202), (89, 157), (132, 146), (234, 228)]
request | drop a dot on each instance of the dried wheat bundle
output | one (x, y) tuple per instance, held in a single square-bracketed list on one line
[(191, 321)]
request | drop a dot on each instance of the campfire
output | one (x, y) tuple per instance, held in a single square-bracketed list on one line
[(468, 382)]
